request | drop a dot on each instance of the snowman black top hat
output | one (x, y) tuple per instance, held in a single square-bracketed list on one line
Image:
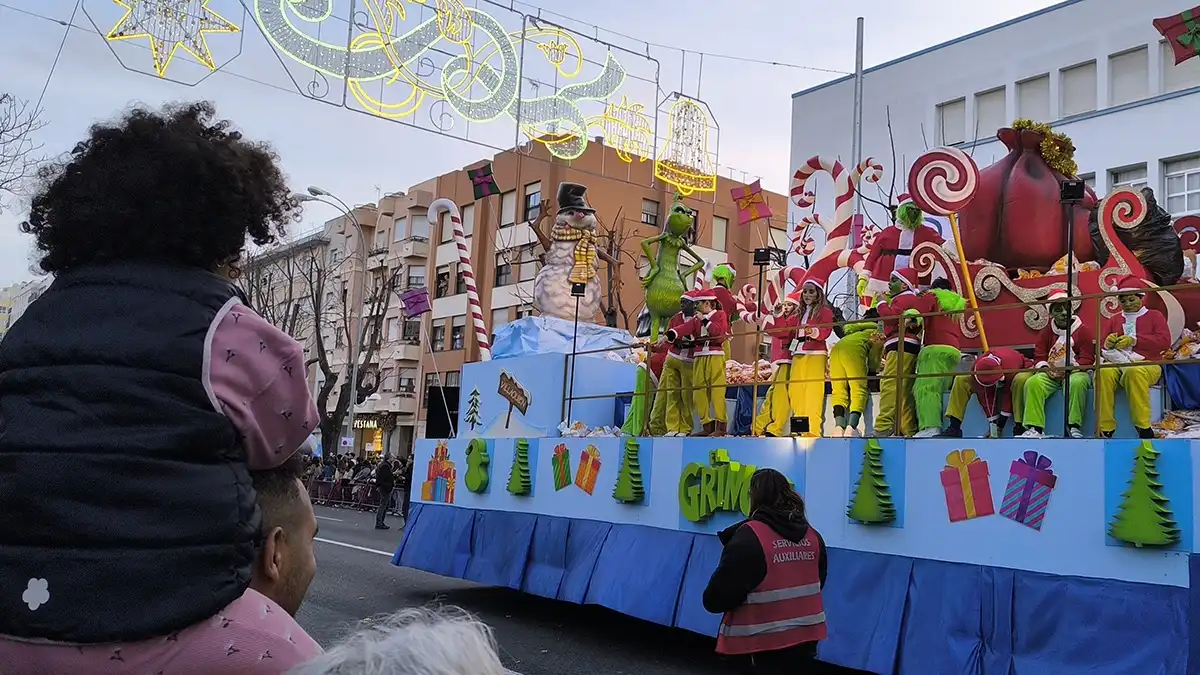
[(573, 197)]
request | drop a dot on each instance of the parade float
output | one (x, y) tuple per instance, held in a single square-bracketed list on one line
[(945, 555)]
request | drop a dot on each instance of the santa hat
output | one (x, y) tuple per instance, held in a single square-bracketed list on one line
[(1055, 297), (907, 276), (793, 297), (815, 278), (903, 199), (1130, 284), (702, 294), (986, 370)]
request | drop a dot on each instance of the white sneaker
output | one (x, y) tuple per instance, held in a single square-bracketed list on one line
[(927, 433), (1032, 433), (1074, 433), (852, 432)]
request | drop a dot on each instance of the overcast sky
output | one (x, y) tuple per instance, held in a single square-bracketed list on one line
[(351, 154)]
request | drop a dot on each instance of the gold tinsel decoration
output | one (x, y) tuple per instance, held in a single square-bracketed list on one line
[(1057, 149)]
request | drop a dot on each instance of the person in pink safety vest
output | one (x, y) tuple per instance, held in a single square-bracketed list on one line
[(768, 582)]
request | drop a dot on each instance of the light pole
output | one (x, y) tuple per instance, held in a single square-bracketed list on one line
[(316, 194)]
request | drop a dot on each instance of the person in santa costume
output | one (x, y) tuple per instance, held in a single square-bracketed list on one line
[(772, 418), (708, 330), (1052, 359), (893, 246), (992, 387), (806, 389), (899, 361), (851, 360), (1137, 334), (939, 354), (671, 414), (724, 276)]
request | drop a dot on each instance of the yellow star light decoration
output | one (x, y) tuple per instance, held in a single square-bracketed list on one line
[(169, 25)]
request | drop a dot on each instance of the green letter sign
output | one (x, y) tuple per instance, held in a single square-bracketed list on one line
[(724, 485)]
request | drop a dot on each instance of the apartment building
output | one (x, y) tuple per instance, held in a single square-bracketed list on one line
[(505, 252), (6, 300), (17, 298)]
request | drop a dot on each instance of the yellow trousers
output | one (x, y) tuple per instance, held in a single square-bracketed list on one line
[(960, 393), (1018, 396), (898, 362), (776, 409), (850, 393), (1136, 381), (708, 388), (672, 411), (806, 390)]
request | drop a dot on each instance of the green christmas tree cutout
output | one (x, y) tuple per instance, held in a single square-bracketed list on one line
[(478, 460), (1144, 517), (518, 478), (472, 417), (629, 488), (872, 501)]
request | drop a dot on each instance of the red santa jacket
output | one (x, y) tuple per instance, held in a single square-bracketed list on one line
[(904, 301), (891, 251), (1051, 345), (1150, 332), (996, 400), (675, 350), (658, 357), (812, 340), (782, 330), (938, 330), (708, 332), (726, 301)]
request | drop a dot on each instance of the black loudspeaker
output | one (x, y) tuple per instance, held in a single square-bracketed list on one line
[(441, 419), (1071, 190)]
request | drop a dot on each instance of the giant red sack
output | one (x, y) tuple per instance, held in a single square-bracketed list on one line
[(1016, 218)]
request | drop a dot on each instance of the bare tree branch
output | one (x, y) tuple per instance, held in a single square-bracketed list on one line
[(19, 152)]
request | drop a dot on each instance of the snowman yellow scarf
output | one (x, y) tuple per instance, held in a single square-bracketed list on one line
[(584, 269)]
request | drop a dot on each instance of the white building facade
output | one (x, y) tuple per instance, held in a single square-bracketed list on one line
[(21, 295), (1096, 70)]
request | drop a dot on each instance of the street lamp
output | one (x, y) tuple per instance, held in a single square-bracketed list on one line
[(316, 194)]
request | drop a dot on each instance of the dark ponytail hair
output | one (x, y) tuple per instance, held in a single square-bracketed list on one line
[(770, 489)]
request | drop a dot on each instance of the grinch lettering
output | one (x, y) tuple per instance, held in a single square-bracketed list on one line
[(722, 486)]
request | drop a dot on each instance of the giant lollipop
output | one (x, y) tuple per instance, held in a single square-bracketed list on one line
[(943, 181)]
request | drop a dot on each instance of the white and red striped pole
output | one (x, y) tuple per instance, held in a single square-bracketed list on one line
[(464, 266)]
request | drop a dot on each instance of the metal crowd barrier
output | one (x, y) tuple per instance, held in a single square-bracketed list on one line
[(348, 494), (901, 378)]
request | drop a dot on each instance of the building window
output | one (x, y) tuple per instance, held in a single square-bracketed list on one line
[(419, 227), (447, 229), (720, 228), (1033, 99), (400, 227), (503, 269), (650, 212), (508, 209), (439, 338), (385, 380), (339, 339), (532, 207), (406, 380), (989, 113), (468, 219), (460, 283), (412, 330), (1177, 77), (524, 311), (431, 380), (381, 239), (1183, 186), (1078, 89), (393, 329), (457, 328), (1133, 178), (443, 282), (1089, 179), (1128, 76), (529, 263), (499, 318), (453, 379), (415, 278), (952, 122)]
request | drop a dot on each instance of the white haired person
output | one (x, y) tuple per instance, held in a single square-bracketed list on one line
[(446, 641)]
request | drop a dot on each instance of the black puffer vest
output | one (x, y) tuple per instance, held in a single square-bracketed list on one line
[(128, 511)]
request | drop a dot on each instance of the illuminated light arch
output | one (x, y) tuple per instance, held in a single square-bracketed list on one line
[(171, 25), (685, 161)]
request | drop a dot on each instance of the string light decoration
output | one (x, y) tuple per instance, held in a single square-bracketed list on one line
[(685, 161), (170, 25), (628, 130)]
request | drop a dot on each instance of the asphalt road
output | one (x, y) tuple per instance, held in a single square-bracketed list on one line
[(356, 581)]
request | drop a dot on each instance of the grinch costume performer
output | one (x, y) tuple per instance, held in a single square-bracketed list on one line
[(939, 354), (851, 360), (1051, 358), (724, 276), (672, 411), (992, 387), (708, 330), (806, 389), (1136, 334), (893, 246), (772, 419), (899, 360)]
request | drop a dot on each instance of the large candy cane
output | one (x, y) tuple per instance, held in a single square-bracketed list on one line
[(464, 266), (747, 303), (835, 255)]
